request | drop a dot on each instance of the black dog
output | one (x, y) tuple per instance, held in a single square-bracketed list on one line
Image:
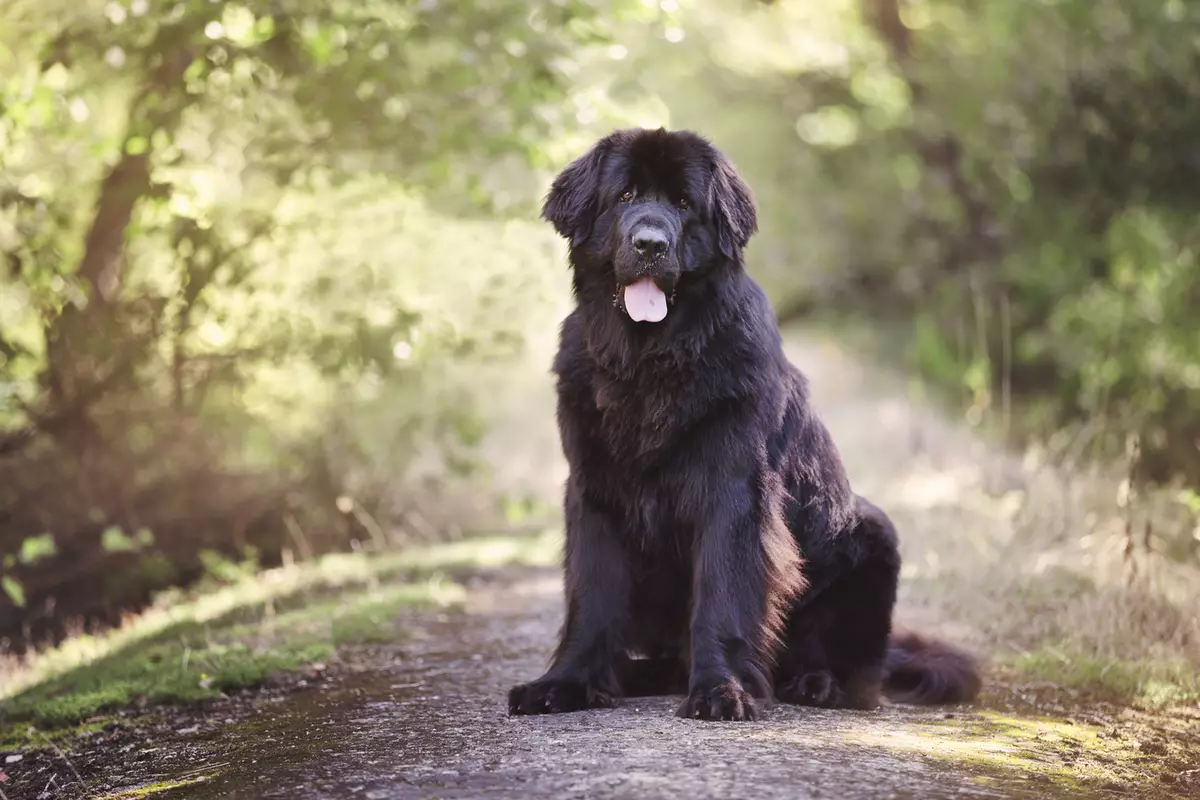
[(714, 545)]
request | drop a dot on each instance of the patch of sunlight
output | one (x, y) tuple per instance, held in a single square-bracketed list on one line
[(358, 617), (784, 37), (1063, 752), (1031, 746), (928, 489), (540, 550), (921, 740), (155, 788), (1040, 727)]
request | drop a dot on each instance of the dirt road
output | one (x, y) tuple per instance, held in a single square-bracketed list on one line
[(426, 719), (434, 726)]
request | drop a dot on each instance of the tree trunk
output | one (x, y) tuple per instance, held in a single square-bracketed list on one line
[(87, 351), (941, 152)]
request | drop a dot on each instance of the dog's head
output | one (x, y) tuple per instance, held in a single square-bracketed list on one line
[(651, 209)]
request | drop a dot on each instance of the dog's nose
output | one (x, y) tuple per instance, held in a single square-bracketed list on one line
[(649, 241)]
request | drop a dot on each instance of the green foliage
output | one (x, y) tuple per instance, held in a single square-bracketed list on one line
[(115, 540), (36, 548), (13, 588), (251, 254), (1017, 181)]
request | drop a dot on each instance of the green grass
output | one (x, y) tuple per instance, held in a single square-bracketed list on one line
[(190, 647), (1150, 685)]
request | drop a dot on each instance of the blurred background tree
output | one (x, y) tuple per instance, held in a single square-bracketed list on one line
[(272, 276)]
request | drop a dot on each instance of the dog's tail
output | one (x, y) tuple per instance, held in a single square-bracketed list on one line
[(926, 671)]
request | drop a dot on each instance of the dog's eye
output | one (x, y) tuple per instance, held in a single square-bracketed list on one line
[(627, 196), (682, 202)]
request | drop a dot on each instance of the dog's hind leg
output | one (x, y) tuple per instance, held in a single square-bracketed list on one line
[(836, 639)]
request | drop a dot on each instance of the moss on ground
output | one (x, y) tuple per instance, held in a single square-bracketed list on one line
[(196, 646), (1072, 755), (17, 737)]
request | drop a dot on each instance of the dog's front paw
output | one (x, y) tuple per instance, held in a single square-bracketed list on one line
[(556, 697), (725, 701)]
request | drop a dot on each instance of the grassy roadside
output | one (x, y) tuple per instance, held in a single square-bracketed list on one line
[(1147, 684), (216, 638), (1022, 545)]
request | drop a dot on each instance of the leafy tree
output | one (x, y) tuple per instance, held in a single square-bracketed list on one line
[(198, 208)]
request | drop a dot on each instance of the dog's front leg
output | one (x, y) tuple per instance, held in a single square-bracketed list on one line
[(582, 673), (734, 577)]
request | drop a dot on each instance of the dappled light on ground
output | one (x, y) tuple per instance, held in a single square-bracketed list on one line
[(1060, 752)]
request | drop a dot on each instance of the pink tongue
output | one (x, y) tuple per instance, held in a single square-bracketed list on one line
[(645, 302)]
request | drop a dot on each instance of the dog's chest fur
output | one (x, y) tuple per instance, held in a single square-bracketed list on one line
[(639, 415)]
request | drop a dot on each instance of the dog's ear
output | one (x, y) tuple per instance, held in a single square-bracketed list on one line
[(733, 207), (574, 196)]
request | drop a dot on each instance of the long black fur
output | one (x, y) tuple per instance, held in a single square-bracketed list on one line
[(714, 546)]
